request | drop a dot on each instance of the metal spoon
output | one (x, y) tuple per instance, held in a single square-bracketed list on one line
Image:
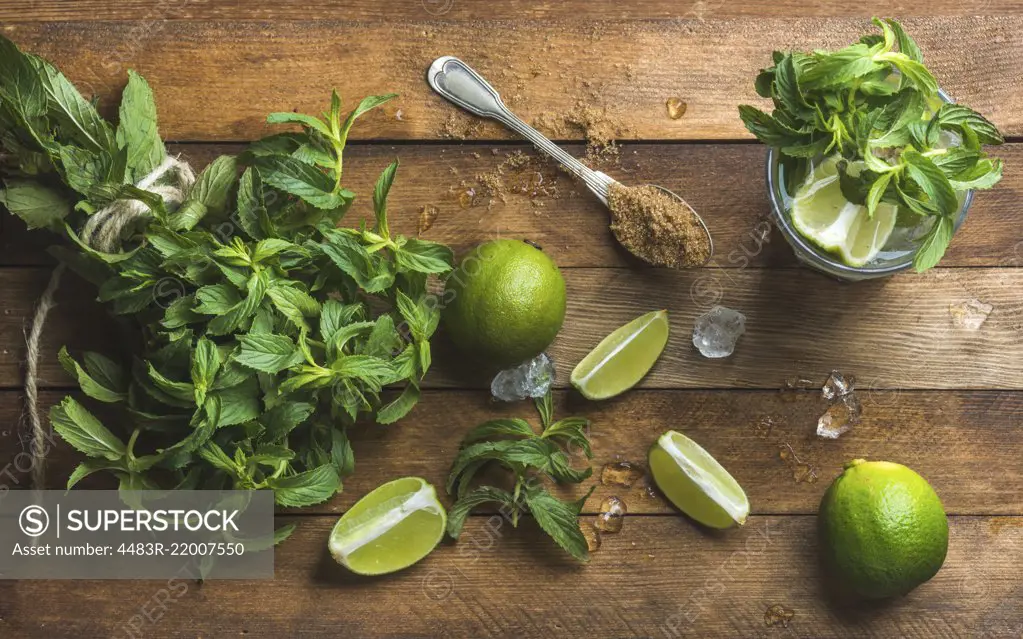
[(459, 83)]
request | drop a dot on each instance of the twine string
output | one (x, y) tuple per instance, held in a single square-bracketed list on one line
[(103, 232)]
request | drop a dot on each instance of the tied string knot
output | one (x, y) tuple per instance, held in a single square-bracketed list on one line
[(103, 232)]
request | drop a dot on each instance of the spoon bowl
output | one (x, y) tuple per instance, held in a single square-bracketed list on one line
[(460, 84)]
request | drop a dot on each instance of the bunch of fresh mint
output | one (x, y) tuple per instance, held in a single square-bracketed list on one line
[(881, 109), (531, 458), (267, 331)]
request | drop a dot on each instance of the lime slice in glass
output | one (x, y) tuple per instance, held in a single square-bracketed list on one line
[(822, 215), (622, 358), (696, 483), (389, 529)]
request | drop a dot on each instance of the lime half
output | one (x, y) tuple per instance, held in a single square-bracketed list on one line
[(822, 215), (389, 529), (696, 483), (622, 358)]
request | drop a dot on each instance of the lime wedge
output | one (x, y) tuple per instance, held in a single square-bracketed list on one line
[(696, 483), (389, 529), (822, 215), (622, 358)]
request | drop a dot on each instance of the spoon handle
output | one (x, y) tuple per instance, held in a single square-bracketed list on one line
[(459, 83)]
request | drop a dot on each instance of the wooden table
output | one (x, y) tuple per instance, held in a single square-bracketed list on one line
[(940, 397)]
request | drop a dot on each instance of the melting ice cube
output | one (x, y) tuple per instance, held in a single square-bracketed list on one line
[(970, 314), (837, 386), (530, 379), (622, 473), (841, 416), (612, 515), (717, 331)]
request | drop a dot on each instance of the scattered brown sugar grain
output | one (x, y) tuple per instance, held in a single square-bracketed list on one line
[(656, 227)]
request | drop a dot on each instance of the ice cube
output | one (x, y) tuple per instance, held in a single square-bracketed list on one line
[(612, 515), (623, 473), (778, 615), (841, 416), (970, 314), (530, 379), (717, 331), (837, 386), (592, 536)]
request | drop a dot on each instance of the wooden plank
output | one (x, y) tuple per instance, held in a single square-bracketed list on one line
[(450, 10), (745, 431), (724, 182), (659, 577), (894, 333), (210, 77)]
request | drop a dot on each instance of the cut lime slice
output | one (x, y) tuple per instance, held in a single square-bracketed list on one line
[(622, 358), (822, 215), (696, 483), (389, 529)]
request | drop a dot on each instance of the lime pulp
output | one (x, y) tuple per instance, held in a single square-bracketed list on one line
[(389, 529)]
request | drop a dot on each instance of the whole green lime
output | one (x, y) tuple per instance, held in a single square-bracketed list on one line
[(505, 302), (883, 529)]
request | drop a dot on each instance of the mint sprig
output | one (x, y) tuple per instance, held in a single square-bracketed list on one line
[(876, 103), (268, 331), (530, 458)]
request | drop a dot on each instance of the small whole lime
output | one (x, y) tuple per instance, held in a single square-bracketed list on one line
[(883, 529), (505, 302)]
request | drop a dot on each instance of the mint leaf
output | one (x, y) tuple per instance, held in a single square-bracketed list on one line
[(380, 192), (482, 495), (768, 130), (932, 181), (90, 466), (137, 130), (560, 520), (180, 391), (76, 117), (934, 244), (238, 404), (301, 180), (906, 44), (367, 104), (786, 89), (300, 118), (308, 488), (498, 428), (268, 353), (573, 431), (21, 84), (84, 432), (983, 175), (294, 303), (877, 191), (422, 256), (826, 70), (400, 407), (963, 118), (205, 364), (284, 418), (39, 206), (102, 389)]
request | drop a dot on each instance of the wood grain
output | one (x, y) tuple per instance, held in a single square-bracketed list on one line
[(469, 10), (895, 333), (724, 182), (659, 577), (746, 431), (217, 80)]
